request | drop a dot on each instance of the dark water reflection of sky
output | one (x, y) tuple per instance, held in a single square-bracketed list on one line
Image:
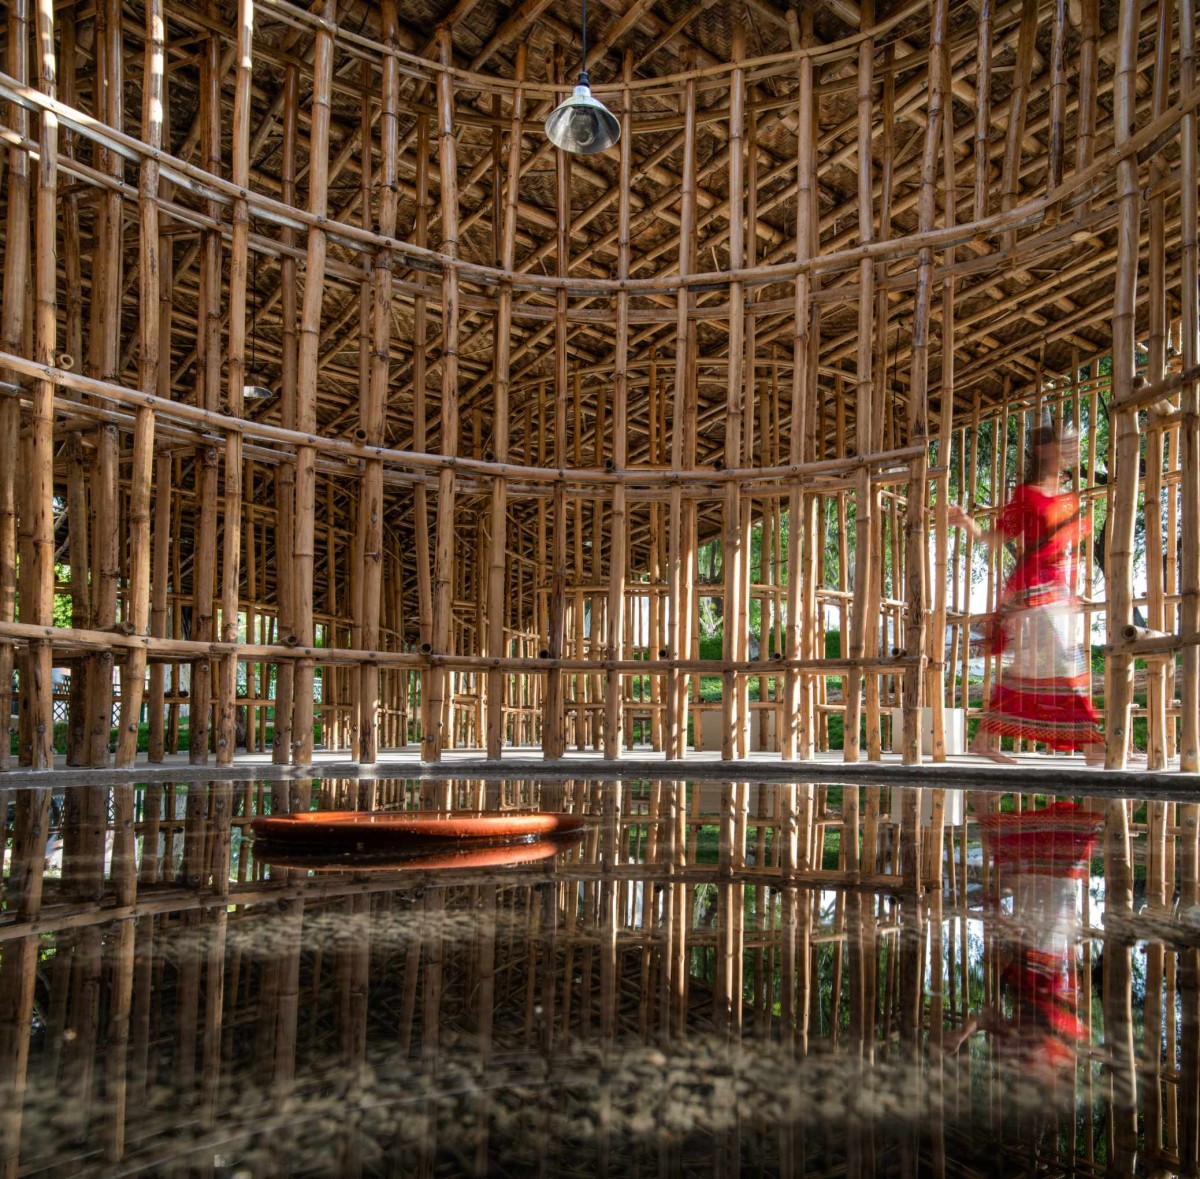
[(710, 980)]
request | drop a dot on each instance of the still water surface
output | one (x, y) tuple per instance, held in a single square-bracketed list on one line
[(710, 980)]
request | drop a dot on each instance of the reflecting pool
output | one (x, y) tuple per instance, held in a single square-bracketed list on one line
[(710, 979)]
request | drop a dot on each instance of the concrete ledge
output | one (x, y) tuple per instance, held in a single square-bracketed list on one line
[(1032, 773)]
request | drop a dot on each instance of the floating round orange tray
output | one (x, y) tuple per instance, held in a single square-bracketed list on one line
[(377, 828), (461, 856)]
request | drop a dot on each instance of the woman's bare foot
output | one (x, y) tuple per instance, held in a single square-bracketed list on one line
[(981, 747), (1094, 754)]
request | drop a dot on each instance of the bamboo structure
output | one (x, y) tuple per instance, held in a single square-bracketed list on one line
[(655, 449)]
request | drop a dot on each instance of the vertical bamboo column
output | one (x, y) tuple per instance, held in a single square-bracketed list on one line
[(614, 716), (936, 685), (37, 580), (433, 736), (304, 551), (285, 473), (801, 352), (1156, 350), (208, 381), (12, 332), (496, 574), (104, 363), (1125, 441), (370, 508), (231, 563), (734, 553), (914, 521), (1189, 682), (864, 409), (553, 718), (133, 672), (680, 539)]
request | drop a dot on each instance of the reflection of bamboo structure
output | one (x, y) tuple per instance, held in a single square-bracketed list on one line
[(714, 924), (738, 367)]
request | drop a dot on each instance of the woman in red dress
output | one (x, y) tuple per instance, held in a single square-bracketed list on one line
[(1044, 691)]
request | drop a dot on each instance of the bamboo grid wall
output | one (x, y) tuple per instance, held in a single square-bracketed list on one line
[(390, 1019), (514, 395)]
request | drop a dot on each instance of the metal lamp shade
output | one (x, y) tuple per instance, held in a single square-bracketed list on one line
[(582, 124), (256, 393)]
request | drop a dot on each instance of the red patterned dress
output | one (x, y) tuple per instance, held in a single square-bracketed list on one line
[(1044, 692)]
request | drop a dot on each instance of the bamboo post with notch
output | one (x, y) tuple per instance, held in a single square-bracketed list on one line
[(433, 736), (303, 552), (614, 715)]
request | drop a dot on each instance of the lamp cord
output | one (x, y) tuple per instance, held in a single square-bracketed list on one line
[(583, 70)]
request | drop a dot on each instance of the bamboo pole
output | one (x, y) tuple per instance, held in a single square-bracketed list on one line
[(1156, 677), (1189, 573), (373, 420), (1125, 440), (936, 686), (679, 524), (735, 547), (865, 408), (103, 360), (12, 332), (914, 521), (497, 574), (37, 578), (285, 475), (433, 736), (231, 564), (133, 672), (614, 715), (303, 552)]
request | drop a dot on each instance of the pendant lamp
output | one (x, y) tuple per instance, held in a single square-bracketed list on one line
[(583, 124)]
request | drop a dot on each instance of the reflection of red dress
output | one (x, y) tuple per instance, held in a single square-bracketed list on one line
[(1044, 692), (1043, 856)]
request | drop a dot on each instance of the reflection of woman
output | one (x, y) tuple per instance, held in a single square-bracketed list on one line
[(1044, 693), (1042, 856)]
